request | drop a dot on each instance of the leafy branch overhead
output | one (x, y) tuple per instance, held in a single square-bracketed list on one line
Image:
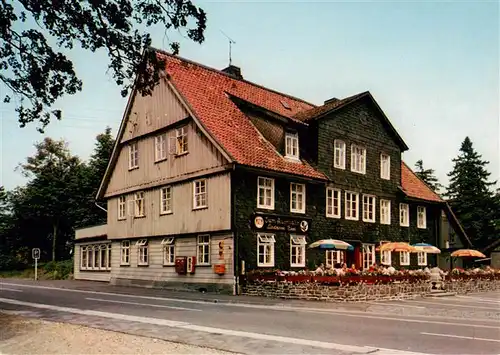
[(37, 74)]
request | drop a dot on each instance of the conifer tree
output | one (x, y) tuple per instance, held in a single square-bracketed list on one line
[(470, 195), (427, 176)]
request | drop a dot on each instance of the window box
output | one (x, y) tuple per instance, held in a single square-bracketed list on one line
[(298, 278), (327, 280)]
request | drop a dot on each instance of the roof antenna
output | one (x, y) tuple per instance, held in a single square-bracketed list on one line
[(230, 43)]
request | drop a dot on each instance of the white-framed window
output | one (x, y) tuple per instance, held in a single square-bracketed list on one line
[(292, 145), (404, 258), (122, 207), (368, 255), (139, 204), (335, 257), (385, 166), (203, 250), (133, 155), (422, 258), (421, 217), (95, 257), (181, 140), (385, 211), (125, 253), (404, 215), (161, 147), (385, 257), (90, 257), (103, 260), (265, 193), (168, 251), (298, 250), (200, 193), (109, 256), (265, 249), (368, 208), (83, 257), (142, 252), (351, 205), (339, 154), (297, 198), (358, 159), (333, 202), (166, 200)]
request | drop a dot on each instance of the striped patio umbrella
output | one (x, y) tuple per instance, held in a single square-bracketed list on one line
[(331, 244), (427, 248), (467, 253), (398, 247)]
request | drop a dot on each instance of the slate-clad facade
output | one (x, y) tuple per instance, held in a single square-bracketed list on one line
[(230, 176)]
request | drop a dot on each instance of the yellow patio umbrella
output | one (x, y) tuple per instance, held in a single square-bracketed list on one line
[(467, 253), (398, 247)]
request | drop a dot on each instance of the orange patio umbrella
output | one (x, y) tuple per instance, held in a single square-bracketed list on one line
[(467, 253), (398, 247)]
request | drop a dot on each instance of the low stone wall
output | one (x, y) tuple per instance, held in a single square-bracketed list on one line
[(362, 291), (464, 286), (348, 293)]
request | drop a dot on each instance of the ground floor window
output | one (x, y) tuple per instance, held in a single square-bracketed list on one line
[(265, 249), (168, 251), (297, 250), (368, 255), (385, 257), (422, 258), (335, 257), (142, 252), (95, 257), (404, 258), (203, 251), (125, 253)]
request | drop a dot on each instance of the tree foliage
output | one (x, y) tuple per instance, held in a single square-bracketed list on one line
[(59, 197), (427, 176), (38, 74), (470, 195)]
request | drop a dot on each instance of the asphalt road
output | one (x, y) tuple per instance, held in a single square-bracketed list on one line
[(451, 325)]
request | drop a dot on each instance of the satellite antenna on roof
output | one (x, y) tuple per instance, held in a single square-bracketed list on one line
[(230, 43)]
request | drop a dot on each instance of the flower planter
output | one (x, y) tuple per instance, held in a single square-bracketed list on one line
[(326, 279), (298, 278)]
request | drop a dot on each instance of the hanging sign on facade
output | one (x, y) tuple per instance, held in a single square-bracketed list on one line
[(274, 223)]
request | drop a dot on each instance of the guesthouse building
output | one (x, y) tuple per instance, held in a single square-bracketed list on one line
[(213, 175)]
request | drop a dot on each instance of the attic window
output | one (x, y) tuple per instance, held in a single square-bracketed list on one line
[(292, 145), (285, 104)]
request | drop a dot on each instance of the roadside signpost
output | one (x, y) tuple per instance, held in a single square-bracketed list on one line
[(35, 253)]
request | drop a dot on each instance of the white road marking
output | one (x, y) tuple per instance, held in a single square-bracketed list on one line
[(211, 330), (407, 320), (10, 289), (480, 299), (143, 304), (282, 307), (461, 337), (455, 305), (395, 305)]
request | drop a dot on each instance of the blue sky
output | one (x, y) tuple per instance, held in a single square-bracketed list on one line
[(432, 66)]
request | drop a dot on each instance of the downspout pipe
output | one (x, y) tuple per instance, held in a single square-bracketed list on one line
[(102, 208)]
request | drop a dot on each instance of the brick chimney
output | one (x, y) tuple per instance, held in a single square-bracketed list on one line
[(233, 71)]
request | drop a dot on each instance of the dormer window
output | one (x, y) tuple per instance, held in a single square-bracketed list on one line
[(292, 145)]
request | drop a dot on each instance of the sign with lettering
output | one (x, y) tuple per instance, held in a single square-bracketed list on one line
[(275, 223)]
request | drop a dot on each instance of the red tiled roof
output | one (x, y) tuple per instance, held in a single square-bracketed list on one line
[(205, 89), (414, 187)]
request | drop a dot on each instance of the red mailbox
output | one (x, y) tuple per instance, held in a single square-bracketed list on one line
[(181, 265)]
